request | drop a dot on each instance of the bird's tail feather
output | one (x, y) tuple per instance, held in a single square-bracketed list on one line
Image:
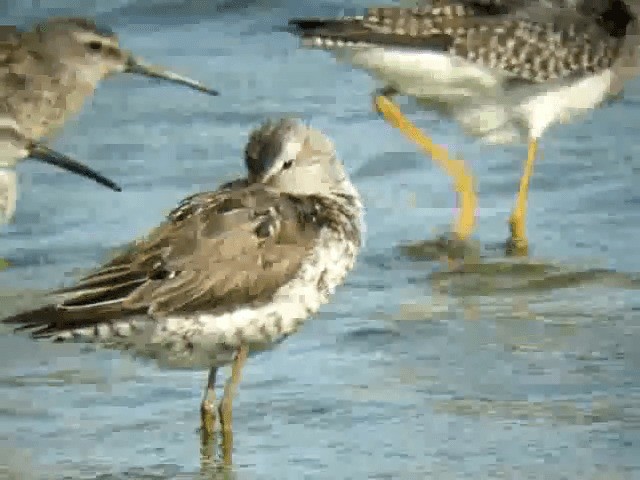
[(46, 321)]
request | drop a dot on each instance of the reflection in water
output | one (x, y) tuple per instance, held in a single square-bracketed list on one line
[(599, 409), (506, 288), (546, 355)]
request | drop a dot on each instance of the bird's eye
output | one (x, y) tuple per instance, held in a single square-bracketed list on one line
[(95, 46), (287, 165)]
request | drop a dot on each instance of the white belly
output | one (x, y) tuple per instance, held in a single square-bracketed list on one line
[(474, 96), (422, 73), (565, 102)]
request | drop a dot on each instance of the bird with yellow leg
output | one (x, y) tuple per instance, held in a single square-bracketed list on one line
[(504, 70)]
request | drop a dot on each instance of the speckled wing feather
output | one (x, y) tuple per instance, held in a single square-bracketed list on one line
[(9, 44), (215, 252), (511, 5), (527, 41)]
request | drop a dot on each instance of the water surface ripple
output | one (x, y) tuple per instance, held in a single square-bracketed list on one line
[(411, 372)]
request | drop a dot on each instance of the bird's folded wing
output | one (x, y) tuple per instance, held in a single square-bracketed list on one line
[(524, 39), (10, 37), (234, 249), (9, 34)]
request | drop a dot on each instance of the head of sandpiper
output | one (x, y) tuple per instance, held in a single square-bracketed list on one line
[(93, 52), (295, 158)]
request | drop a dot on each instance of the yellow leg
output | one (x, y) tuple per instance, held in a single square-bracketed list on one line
[(4, 264), (518, 244), (226, 405), (463, 181)]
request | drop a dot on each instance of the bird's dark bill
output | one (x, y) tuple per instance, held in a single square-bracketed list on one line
[(45, 154), (138, 67)]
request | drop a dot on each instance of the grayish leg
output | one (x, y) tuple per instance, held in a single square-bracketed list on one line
[(226, 404), (208, 408)]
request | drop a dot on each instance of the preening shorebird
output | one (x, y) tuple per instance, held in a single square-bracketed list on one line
[(229, 272)]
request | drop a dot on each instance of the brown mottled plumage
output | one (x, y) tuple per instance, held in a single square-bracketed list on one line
[(234, 247), (46, 75), (214, 251), (48, 72)]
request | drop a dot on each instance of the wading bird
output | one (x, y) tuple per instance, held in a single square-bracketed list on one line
[(505, 70), (229, 272), (46, 75)]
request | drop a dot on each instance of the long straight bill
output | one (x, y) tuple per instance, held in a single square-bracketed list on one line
[(44, 154), (140, 67)]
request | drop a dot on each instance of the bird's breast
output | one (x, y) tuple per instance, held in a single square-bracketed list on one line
[(48, 103)]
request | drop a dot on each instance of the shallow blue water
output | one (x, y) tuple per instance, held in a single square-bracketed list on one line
[(409, 372)]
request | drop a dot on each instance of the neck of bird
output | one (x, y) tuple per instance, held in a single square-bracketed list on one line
[(84, 78), (347, 206), (347, 193), (79, 85)]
